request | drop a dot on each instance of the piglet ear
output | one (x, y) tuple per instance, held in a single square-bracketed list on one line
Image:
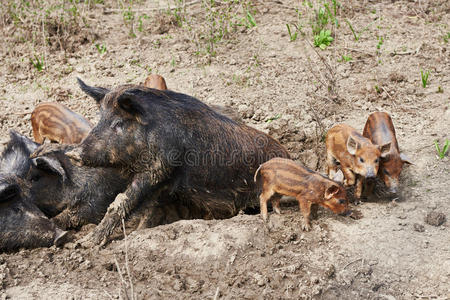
[(385, 149), (50, 164), (132, 104), (338, 176), (98, 93), (8, 191), (331, 191), (352, 145), (405, 159)]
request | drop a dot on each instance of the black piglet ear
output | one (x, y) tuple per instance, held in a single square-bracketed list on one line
[(51, 165), (131, 104), (98, 93), (8, 191)]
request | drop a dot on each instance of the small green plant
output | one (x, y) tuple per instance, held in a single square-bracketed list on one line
[(38, 63), (323, 39), (377, 89), (345, 58), (292, 35), (424, 77), (101, 49), (357, 35), (380, 42), (446, 37), (250, 20), (178, 12), (141, 19), (440, 90), (276, 117), (441, 153), (298, 27)]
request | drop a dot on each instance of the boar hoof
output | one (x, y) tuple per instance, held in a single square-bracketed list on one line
[(306, 226), (60, 237)]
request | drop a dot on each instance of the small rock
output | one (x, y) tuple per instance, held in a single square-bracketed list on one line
[(419, 227), (330, 271), (435, 218)]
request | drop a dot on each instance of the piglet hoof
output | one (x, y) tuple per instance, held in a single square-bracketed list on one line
[(277, 210), (306, 226), (264, 217)]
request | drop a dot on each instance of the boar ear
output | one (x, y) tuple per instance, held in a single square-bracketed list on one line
[(29, 144), (338, 176), (385, 149), (405, 159), (132, 105), (50, 164), (331, 191), (352, 145), (8, 191), (98, 93)]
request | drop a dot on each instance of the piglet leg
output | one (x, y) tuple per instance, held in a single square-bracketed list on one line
[(305, 207)]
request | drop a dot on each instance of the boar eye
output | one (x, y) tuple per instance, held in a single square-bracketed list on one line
[(361, 159), (385, 172), (341, 201), (116, 124)]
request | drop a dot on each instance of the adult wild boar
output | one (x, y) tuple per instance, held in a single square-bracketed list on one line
[(171, 141), (72, 195), (22, 224)]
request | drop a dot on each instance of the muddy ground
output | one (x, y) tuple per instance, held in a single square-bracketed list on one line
[(289, 89)]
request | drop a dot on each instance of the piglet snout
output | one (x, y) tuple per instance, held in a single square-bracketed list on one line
[(346, 213)]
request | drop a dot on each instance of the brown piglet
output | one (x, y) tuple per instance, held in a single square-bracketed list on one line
[(155, 81), (358, 156), (380, 130), (59, 124), (281, 176)]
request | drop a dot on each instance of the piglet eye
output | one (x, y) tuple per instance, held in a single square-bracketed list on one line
[(341, 201), (385, 172), (361, 159), (376, 160)]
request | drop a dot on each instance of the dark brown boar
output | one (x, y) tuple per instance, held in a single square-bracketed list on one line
[(280, 176), (168, 140), (22, 224), (380, 130), (356, 154), (59, 124)]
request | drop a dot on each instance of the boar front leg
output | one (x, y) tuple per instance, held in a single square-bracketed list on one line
[(141, 187)]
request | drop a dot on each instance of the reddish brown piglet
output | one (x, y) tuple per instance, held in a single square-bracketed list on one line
[(59, 124), (380, 130), (155, 81), (281, 176), (358, 157)]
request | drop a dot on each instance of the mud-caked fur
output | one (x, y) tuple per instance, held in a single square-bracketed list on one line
[(169, 140)]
